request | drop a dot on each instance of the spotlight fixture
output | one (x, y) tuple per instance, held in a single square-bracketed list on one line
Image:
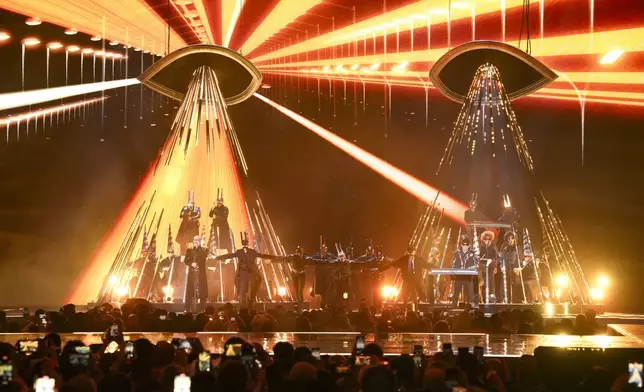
[(33, 21), (54, 45), (73, 48), (118, 56), (95, 38), (71, 31), (146, 51), (281, 291), (99, 53), (108, 54), (30, 41), (88, 51), (4, 35), (114, 43), (137, 49)]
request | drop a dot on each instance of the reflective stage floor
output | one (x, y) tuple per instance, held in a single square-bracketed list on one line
[(395, 343)]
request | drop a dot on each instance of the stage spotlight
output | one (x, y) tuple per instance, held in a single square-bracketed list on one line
[(597, 294), (54, 45), (30, 41), (386, 291), (73, 48), (96, 38), (603, 281), (71, 32), (345, 295), (562, 281), (88, 51), (550, 309), (33, 21), (121, 291), (114, 279), (114, 43), (167, 290), (4, 35), (281, 291)]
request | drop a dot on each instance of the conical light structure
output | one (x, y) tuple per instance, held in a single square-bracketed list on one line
[(201, 157)]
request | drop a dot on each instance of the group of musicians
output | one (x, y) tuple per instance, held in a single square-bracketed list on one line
[(340, 277)]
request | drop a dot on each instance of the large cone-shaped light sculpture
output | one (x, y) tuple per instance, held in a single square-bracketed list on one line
[(200, 159)]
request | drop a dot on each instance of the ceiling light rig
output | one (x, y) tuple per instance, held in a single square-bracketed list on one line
[(195, 19), (95, 38), (71, 31)]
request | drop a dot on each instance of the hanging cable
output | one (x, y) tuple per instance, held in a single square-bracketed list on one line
[(167, 21), (525, 22)]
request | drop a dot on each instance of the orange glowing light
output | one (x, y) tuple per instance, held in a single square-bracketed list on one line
[(73, 48), (30, 41), (71, 32), (453, 208), (88, 51), (4, 35), (96, 38), (33, 21), (285, 12), (611, 56), (54, 45)]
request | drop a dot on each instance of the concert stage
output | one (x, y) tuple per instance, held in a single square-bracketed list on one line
[(392, 344)]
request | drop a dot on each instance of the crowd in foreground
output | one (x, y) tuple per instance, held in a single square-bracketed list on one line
[(143, 317)]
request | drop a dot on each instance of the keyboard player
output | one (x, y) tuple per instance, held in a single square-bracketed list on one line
[(464, 258)]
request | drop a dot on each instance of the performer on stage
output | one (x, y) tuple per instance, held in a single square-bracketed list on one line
[(219, 228), (464, 258), (474, 215), (322, 275), (530, 277), (375, 275), (339, 284), (411, 269), (248, 272), (489, 256), (197, 282), (432, 262), (508, 262), (297, 263), (189, 227)]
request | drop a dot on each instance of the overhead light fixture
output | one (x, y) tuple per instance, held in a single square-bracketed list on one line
[(108, 54), (99, 53), (33, 21), (114, 43), (96, 38), (137, 49), (88, 51), (118, 56), (71, 32), (30, 41), (611, 56), (4, 35), (73, 48), (54, 45), (146, 51)]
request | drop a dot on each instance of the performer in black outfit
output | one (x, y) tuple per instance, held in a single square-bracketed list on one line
[(375, 275), (340, 272), (433, 262), (464, 258), (189, 227), (219, 229), (488, 254), (322, 275), (197, 282), (298, 263), (509, 261), (247, 270), (411, 268)]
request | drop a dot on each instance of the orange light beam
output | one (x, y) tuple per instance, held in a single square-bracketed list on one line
[(424, 192), (230, 11), (285, 12)]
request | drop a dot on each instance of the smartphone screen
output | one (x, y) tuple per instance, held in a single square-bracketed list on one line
[(182, 383), (204, 361), (359, 344), (45, 384), (248, 357), (186, 346), (418, 355), (42, 318), (27, 347), (129, 350), (362, 360), (162, 317), (315, 352), (111, 348), (6, 371), (233, 350), (80, 357), (447, 348), (635, 373)]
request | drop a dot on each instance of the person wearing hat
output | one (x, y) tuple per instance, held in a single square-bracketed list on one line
[(297, 263), (220, 230), (489, 257), (247, 270), (464, 258), (189, 227)]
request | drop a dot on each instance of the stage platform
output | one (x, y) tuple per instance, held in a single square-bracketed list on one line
[(392, 344)]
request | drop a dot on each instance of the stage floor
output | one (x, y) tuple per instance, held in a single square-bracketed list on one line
[(392, 344)]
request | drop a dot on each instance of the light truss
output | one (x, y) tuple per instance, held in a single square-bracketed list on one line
[(417, 14), (597, 43), (116, 20), (285, 12)]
